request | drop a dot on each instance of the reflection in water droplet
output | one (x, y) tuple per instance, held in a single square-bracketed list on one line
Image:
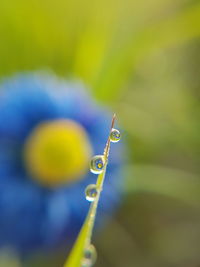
[(89, 256), (97, 164), (91, 192), (115, 135)]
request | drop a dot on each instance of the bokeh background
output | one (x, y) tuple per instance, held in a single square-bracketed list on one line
[(142, 59)]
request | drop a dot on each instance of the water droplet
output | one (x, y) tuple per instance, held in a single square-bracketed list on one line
[(91, 192), (89, 257), (115, 135), (97, 164)]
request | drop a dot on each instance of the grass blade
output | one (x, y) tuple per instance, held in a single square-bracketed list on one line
[(84, 238)]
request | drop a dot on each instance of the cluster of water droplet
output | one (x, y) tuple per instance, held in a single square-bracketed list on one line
[(97, 165)]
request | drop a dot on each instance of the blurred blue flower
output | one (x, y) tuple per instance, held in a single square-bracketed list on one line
[(38, 113)]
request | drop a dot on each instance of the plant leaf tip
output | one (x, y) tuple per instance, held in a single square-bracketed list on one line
[(83, 252)]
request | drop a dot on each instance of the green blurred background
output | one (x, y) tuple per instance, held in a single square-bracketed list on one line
[(141, 58)]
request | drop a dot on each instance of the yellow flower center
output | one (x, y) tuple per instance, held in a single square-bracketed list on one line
[(57, 152)]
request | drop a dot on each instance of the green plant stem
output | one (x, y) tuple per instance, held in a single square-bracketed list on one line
[(85, 235)]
